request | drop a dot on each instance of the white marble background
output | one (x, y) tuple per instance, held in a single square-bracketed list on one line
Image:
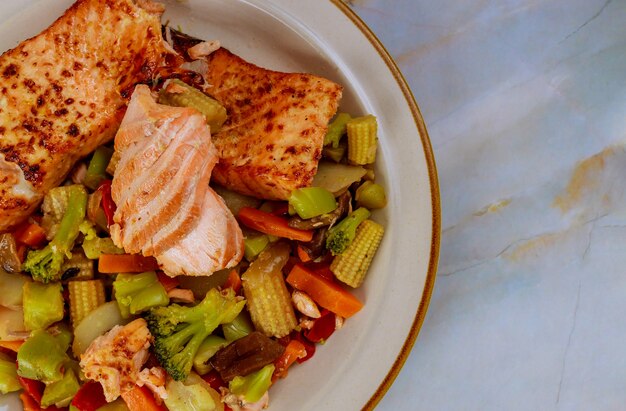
[(524, 101)]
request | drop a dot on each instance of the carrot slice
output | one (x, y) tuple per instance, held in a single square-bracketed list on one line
[(169, 283), (30, 234), (29, 403), (233, 281), (326, 293), (11, 345), (141, 399), (126, 263), (268, 223), (302, 254), (293, 351)]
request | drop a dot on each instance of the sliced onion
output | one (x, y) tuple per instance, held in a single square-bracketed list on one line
[(95, 324), (337, 177)]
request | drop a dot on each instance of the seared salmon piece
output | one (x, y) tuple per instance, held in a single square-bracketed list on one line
[(115, 358), (62, 94), (272, 140), (165, 207)]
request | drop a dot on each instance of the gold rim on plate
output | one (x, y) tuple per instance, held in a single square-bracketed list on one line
[(434, 197)]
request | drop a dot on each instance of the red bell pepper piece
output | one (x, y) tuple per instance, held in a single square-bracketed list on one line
[(108, 205), (90, 397), (323, 327), (308, 346), (214, 379), (33, 388), (169, 283)]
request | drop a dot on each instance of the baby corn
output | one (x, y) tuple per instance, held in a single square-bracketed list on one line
[(269, 301), (351, 266), (85, 296), (362, 140)]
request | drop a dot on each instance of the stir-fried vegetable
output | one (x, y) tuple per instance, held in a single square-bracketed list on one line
[(336, 129), (96, 172), (270, 224), (253, 386), (269, 302), (136, 293), (43, 304), (96, 323), (178, 331), (60, 393), (8, 375), (371, 195), (42, 357), (325, 292), (177, 93), (311, 202), (246, 355), (341, 235), (206, 351), (85, 296), (45, 265), (351, 266), (362, 139)]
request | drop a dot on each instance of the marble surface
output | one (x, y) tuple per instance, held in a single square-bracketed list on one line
[(524, 101)]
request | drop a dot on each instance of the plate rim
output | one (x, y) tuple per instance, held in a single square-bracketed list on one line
[(433, 262)]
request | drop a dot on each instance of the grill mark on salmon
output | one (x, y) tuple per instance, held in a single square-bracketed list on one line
[(63, 93), (161, 187), (272, 140)]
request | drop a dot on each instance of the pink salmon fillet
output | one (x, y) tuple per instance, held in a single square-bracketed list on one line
[(62, 94), (165, 207)]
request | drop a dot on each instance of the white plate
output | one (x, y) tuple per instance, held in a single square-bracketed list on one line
[(358, 364)]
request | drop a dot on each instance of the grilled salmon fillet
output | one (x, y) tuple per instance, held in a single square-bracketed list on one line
[(165, 207), (115, 358), (62, 94), (272, 140)]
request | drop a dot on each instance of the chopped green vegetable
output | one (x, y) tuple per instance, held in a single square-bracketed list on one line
[(207, 349), (45, 264), (42, 357), (336, 129), (335, 154), (254, 245), (185, 396), (178, 331), (188, 96), (43, 304), (8, 375), (341, 235), (238, 328), (136, 293), (311, 202), (94, 248), (60, 393), (254, 385), (96, 172), (371, 195)]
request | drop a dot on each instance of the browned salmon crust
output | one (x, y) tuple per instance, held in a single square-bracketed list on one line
[(272, 141), (62, 94)]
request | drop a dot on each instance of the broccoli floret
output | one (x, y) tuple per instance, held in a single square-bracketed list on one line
[(45, 264), (136, 293), (178, 331), (341, 235)]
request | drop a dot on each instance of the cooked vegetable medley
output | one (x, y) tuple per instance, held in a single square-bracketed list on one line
[(86, 324)]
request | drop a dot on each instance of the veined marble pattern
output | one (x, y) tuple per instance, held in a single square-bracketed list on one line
[(525, 103)]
